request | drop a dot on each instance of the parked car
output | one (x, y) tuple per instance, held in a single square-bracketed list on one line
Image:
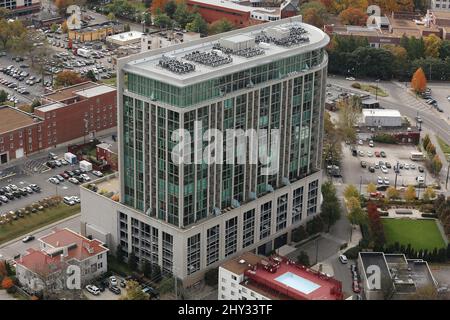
[(69, 201), (113, 281), (363, 164), (97, 173), (53, 180), (93, 289), (343, 259), (383, 154), (74, 180), (115, 289)]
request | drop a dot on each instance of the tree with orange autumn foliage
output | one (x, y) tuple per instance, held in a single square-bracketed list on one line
[(158, 4), (67, 78), (353, 17), (419, 81), (7, 283)]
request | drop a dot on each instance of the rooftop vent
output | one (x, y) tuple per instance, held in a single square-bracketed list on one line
[(283, 36), (212, 58), (176, 66)]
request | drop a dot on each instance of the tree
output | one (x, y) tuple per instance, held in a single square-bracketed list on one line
[(158, 5), (91, 76), (3, 272), (349, 115), (36, 103), (432, 45), (375, 225), (134, 292), (4, 13), (429, 193), (170, 8), (426, 140), (353, 16), (351, 191), (10, 31), (132, 261), (410, 193), (3, 96), (7, 283), (356, 216), (211, 277), (162, 21), (182, 15), (198, 25), (353, 203), (67, 78), (111, 16), (220, 26), (64, 27), (444, 51), (299, 234), (392, 193), (314, 13), (371, 187), (54, 27), (419, 81), (303, 259), (330, 207), (436, 165), (156, 273), (119, 254), (147, 269), (167, 285), (431, 149)]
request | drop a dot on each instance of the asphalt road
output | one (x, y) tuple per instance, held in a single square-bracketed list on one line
[(18, 247)]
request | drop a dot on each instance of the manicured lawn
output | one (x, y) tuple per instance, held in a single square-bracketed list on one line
[(421, 234), (444, 146), (34, 221), (111, 82)]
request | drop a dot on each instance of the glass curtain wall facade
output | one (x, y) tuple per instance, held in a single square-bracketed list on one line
[(275, 99)]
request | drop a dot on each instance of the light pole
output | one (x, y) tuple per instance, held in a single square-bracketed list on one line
[(376, 89)]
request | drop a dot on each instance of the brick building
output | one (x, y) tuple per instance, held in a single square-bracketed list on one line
[(244, 13), (78, 111), (20, 134), (108, 152)]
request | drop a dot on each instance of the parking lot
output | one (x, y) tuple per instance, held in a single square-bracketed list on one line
[(106, 294), (353, 173), (441, 93), (22, 180)]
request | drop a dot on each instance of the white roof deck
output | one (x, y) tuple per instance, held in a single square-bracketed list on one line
[(146, 64), (95, 91)]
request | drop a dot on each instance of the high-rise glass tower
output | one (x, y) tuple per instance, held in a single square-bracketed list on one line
[(265, 77)]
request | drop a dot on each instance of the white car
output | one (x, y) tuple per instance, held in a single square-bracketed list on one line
[(113, 281), (97, 173), (76, 199), (350, 79), (371, 144), (73, 180), (93, 289), (370, 154), (380, 180), (69, 201), (386, 181), (53, 180), (406, 166), (85, 177), (361, 153), (420, 179), (360, 142), (343, 259), (384, 169)]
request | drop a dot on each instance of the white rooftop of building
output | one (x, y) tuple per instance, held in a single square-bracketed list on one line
[(381, 113), (126, 36), (147, 64), (95, 91), (51, 106)]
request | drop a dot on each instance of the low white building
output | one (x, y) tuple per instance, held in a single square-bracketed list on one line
[(46, 269), (125, 38), (164, 39), (381, 117)]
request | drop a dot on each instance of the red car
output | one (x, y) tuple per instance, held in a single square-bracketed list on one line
[(355, 287), (377, 154), (64, 175)]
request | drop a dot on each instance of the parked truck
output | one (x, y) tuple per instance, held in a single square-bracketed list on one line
[(85, 53)]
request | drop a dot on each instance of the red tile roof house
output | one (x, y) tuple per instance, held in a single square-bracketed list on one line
[(45, 270)]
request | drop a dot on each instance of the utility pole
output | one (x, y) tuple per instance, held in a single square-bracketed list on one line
[(448, 171), (360, 184)]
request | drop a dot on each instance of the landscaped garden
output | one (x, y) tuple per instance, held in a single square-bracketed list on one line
[(421, 234)]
